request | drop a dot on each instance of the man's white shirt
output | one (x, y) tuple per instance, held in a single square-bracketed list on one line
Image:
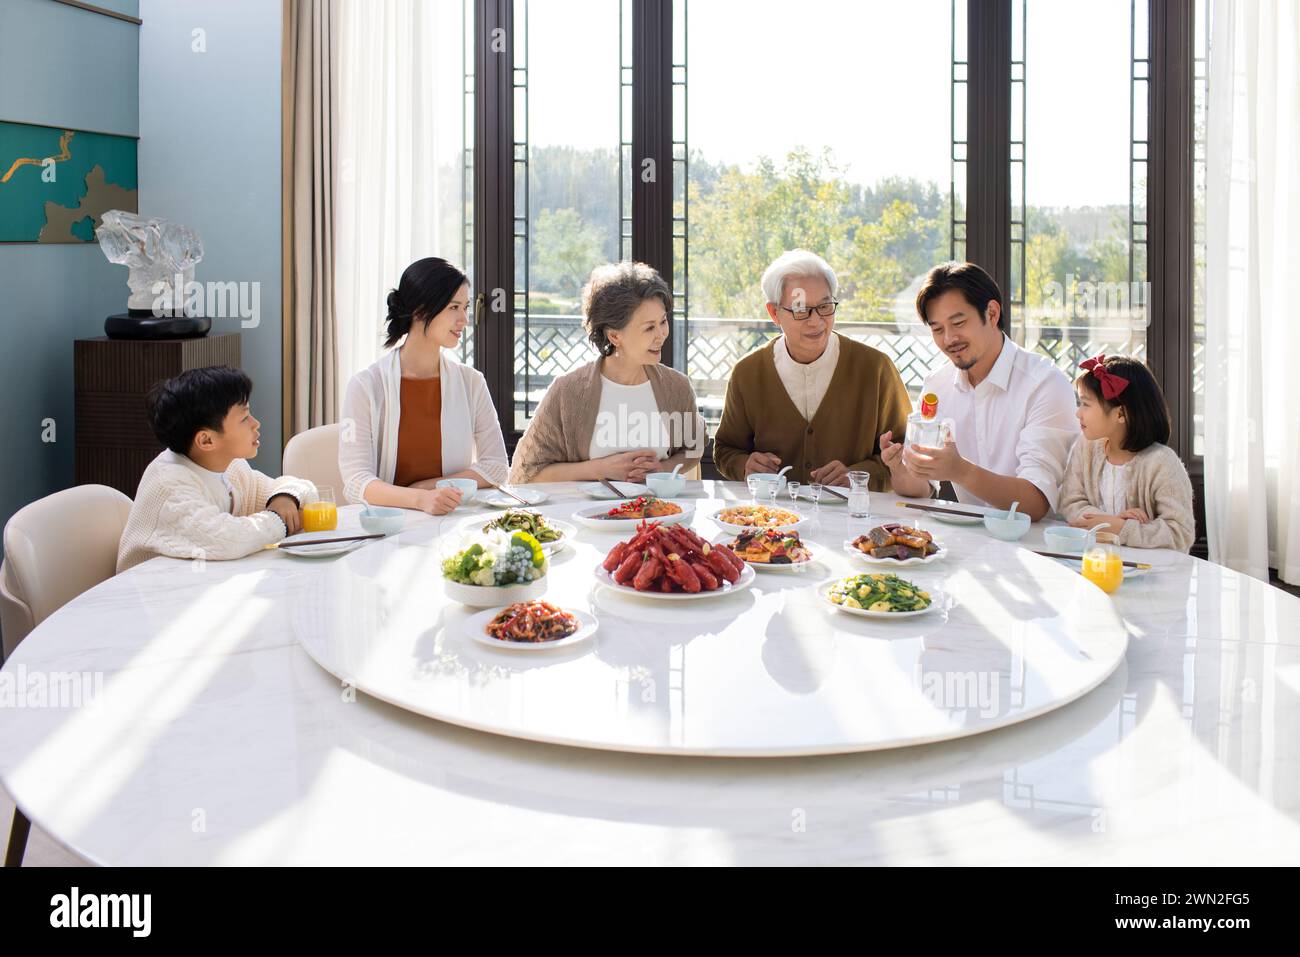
[(1019, 421)]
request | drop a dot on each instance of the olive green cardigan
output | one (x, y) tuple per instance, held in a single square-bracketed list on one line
[(866, 398)]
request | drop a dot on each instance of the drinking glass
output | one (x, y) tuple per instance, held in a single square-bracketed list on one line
[(321, 515), (815, 493), (793, 489), (1103, 567), (859, 494), (753, 481)]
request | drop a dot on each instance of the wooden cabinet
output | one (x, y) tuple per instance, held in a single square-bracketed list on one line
[(112, 377)]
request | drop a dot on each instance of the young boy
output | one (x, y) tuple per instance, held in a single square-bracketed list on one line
[(200, 498)]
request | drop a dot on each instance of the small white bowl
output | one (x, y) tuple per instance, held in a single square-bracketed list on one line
[(490, 596), (767, 477), (665, 484), (1067, 538), (382, 520), (468, 488), (1007, 529)]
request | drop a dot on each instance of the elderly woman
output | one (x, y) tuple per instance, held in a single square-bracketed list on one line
[(624, 414), (418, 415), (811, 398)]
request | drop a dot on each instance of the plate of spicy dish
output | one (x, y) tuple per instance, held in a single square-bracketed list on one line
[(531, 626), (771, 549), (672, 562), (626, 516), (896, 544)]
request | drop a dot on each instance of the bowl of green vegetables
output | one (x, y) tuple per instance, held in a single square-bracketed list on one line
[(498, 569)]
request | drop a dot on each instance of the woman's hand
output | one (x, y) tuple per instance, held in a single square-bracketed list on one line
[(627, 466), (1136, 514), (438, 501)]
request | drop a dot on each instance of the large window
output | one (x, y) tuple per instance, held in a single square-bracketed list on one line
[(828, 128), (1078, 231), (567, 203)]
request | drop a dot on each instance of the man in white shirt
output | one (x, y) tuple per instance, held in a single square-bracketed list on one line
[(1013, 411)]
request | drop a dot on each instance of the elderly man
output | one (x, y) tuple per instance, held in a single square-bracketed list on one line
[(811, 398)]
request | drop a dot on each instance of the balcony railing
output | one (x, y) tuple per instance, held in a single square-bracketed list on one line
[(557, 344)]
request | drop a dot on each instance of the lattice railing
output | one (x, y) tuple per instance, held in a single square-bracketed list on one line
[(557, 344)]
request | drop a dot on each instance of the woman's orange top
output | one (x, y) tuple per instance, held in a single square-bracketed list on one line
[(419, 431)]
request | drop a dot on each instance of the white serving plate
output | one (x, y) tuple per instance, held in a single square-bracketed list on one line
[(862, 556), (791, 527), (596, 490), (302, 546), (475, 628), (937, 598), (746, 579), (588, 516), (959, 519), (496, 499)]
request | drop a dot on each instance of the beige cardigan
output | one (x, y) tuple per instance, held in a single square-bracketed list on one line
[(175, 514), (565, 419), (1158, 484)]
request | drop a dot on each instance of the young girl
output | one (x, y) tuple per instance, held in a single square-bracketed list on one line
[(1120, 471)]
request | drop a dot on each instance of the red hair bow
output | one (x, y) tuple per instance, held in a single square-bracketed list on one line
[(1111, 384)]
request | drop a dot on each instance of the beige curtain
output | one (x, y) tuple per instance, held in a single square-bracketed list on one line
[(310, 144)]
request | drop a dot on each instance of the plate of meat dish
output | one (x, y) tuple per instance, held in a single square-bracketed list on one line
[(896, 544)]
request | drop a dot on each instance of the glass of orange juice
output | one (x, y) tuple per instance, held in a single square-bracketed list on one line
[(321, 515), (1103, 567)]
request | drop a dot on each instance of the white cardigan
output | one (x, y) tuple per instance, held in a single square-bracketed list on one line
[(175, 512), (372, 408)]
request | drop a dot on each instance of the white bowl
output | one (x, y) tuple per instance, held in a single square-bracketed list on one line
[(665, 484), (1066, 538), (1007, 529), (485, 596), (382, 520), (767, 478), (468, 488)]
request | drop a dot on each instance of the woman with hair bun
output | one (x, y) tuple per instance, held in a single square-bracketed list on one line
[(417, 414)]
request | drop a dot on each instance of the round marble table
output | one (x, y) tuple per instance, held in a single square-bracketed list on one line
[(214, 737)]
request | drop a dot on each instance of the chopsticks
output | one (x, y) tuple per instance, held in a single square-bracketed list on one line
[(1064, 555), (521, 501), (612, 487), (325, 541), (838, 494), (941, 511)]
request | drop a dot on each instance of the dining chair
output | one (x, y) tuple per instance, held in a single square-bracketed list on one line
[(54, 549), (314, 455)]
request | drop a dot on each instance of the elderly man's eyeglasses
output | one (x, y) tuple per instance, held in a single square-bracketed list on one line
[(823, 309)]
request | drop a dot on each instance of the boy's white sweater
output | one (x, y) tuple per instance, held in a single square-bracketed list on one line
[(175, 512)]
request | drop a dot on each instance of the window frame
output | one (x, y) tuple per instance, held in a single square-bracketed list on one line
[(988, 221)]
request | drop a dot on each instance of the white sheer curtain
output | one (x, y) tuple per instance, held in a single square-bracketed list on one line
[(400, 140), (1252, 407)]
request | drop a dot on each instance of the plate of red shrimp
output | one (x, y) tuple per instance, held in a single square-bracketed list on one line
[(673, 563)]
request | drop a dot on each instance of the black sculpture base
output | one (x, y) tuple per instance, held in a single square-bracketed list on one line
[(146, 325)]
